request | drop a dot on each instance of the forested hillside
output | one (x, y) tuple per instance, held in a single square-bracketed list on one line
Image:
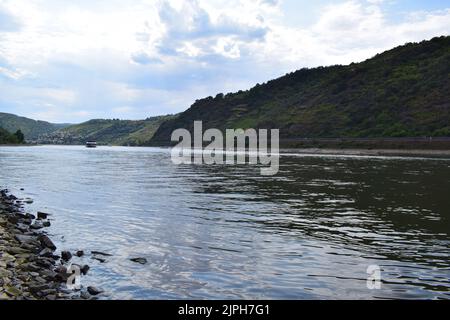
[(399, 93)]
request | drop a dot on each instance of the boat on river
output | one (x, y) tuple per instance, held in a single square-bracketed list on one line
[(91, 144)]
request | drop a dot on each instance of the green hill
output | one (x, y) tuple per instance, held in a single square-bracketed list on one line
[(402, 92), (107, 132), (32, 129)]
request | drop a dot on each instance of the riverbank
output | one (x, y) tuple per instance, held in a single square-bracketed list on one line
[(441, 154), (334, 151), (398, 144), (29, 267)]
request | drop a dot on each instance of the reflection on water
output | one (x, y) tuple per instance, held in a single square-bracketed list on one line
[(226, 232)]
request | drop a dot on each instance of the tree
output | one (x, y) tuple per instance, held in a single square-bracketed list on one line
[(20, 137)]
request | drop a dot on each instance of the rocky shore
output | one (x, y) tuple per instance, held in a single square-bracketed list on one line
[(29, 267)]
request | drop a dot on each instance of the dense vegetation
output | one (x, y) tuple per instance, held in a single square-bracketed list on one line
[(107, 132), (30, 128), (8, 138), (402, 92)]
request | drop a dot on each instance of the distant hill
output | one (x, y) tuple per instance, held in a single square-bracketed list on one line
[(404, 92), (32, 129), (107, 132)]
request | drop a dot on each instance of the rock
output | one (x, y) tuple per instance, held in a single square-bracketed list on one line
[(30, 216), (37, 225), (46, 224), (79, 253), (13, 219), (94, 291), (31, 247), (66, 255), (48, 274), (37, 289), (16, 250), (24, 238), (62, 274), (84, 270), (28, 201), (45, 262), (42, 215), (22, 227), (85, 295), (61, 269), (13, 291), (47, 243), (139, 260), (21, 215), (4, 296), (46, 252), (98, 253), (47, 292), (31, 267)]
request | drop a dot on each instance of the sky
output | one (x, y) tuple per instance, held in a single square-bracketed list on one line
[(71, 61)]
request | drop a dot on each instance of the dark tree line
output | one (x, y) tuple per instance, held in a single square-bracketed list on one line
[(9, 138)]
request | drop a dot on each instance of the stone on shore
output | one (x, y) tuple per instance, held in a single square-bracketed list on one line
[(46, 242), (84, 270), (79, 253), (42, 215), (98, 253), (28, 269), (66, 255), (94, 291), (37, 225), (139, 260)]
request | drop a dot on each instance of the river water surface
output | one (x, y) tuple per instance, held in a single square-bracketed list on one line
[(225, 232)]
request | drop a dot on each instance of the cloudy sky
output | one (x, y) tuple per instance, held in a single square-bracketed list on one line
[(70, 61)]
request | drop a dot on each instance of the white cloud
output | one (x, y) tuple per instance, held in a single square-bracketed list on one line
[(67, 61), (8, 22)]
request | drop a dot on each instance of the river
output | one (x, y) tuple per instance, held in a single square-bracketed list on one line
[(226, 232)]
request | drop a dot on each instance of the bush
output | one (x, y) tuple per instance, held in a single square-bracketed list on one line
[(443, 132)]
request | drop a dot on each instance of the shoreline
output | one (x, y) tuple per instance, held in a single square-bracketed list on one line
[(413, 153), (29, 267), (331, 151)]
